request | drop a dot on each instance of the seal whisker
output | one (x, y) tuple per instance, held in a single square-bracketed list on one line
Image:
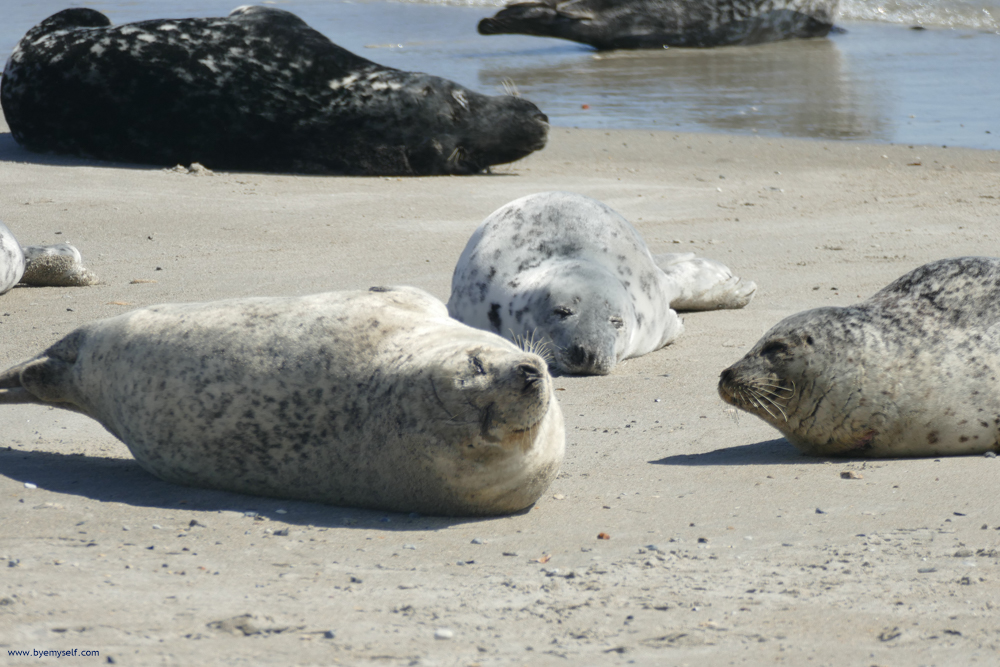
[(763, 401), (509, 87)]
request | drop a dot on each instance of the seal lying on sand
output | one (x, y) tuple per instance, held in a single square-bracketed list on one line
[(40, 265), (574, 279), (653, 24), (369, 399), (911, 371), (258, 90)]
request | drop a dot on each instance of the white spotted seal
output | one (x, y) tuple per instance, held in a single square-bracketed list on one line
[(258, 90), (654, 24), (57, 265), (911, 371), (11, 260), (369, 399), (572, 277)]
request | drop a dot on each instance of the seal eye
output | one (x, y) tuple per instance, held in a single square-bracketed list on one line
[(477, 366), (562, 311), (809, 340), (617, 322), (774, 347)]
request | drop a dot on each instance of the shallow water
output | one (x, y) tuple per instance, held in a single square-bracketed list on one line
[(878, 82)]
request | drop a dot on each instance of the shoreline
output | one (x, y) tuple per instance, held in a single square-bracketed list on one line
[(896, 569)]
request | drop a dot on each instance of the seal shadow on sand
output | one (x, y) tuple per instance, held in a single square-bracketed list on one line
[(770, 452), (114, 480), (11, 151)]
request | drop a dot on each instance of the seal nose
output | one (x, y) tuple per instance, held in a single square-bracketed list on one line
[(726, 376), (582, 361), (530, 373)]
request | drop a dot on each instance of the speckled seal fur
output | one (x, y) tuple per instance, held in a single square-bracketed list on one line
[(567, 275), (654, 24), (258, 90), (11, 260), (911, 371), (369, 399)]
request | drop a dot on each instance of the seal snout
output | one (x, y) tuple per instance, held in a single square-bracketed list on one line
[(580, 360), (530, 372)]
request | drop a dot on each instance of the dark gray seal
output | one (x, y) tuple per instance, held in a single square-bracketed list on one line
[(654, 24), (911, 371), (567, 275), (258, 90), (370, 399)]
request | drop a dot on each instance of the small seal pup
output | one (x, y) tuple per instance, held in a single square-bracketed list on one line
[(258, 90), (911, 371), (654, 24), (57, 265), (572, 278), (369, 399)]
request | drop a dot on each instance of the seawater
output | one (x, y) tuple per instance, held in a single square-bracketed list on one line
[(880, 81)]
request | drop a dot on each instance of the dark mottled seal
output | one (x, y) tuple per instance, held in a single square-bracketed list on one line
[(653, 24), (911, 371), (370, 399), (570, 276), (258, 90)]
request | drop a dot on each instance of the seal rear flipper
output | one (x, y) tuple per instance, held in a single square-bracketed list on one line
[(41, 380), (703, 284)]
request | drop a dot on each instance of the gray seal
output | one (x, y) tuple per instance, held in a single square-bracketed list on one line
[(569, 276), (368, 399), (11, 260), (258, 90), (655, 24), (911, 371)]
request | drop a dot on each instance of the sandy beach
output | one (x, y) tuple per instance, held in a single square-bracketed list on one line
[(726, 545)]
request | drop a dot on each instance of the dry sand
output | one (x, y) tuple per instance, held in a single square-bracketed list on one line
[(726, 545)]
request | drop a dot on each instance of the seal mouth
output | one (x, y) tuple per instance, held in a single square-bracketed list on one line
[(759, 396)]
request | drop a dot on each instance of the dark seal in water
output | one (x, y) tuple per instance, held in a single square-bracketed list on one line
[(653, 24), (258, 90)]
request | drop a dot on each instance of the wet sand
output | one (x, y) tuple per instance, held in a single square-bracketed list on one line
[(759, 555)]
